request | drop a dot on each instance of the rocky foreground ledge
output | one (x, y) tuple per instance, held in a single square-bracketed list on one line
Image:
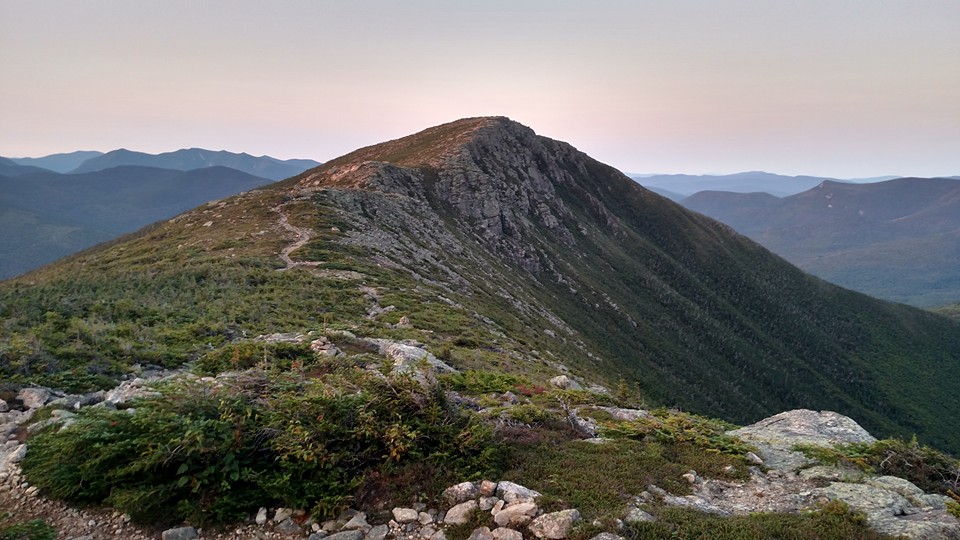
[(782, 480)]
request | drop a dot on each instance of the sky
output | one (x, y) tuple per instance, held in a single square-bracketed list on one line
[(834, 88)]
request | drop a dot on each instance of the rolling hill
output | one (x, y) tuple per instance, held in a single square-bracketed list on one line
[(898, 240), (499, 250)]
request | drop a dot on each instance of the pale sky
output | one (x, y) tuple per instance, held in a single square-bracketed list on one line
[(840, 88)]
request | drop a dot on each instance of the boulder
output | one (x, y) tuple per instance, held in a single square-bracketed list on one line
[(377, 533), (261, 516), (503, 533), (777, 435), (461, 492), (180, 533), (461, 513), (636, 515), (516, 515), (34, 398), (345, 535), (555, 525), (405, 515), (565, 383), (510, 492), (481, 533)]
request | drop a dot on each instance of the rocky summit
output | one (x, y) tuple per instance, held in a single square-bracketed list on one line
[(472, 301)]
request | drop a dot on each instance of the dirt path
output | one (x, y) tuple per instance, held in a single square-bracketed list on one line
[(301, 237)]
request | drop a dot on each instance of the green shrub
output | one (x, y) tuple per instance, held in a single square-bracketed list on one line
[(930, 469), (483, 382), (247, 354), (35, 529), (213, 453), (527, 413), (679, 427)]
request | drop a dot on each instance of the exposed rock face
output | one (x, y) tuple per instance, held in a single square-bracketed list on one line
[(775, 436)]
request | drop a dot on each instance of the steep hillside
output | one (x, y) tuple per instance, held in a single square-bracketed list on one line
[(46, 216), (898, 240), (499, 249), (198, 158)]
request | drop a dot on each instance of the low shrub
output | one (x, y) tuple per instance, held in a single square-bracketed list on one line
[(212, 453), (476, 381), (929, 469)]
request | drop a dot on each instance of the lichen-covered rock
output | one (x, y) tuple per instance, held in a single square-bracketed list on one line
[(555, 525), (461, 492), (777, 435), (503, 533)]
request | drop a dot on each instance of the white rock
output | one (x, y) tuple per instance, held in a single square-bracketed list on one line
[(461, 513), (510, 492), (261, 516), (516, 515), (405, 515), (555, 525)]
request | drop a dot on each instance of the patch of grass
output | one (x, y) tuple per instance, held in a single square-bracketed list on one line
[(833, 520), (600, 479)]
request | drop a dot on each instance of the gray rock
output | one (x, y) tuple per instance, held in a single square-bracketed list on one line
[(287, 526), (261, 516), (461, 513), (607, 536), (377, 533), (695, 503), (358, 521), (503, 533), (3, 406), (405, 515), (481, 533), (319, 535), (34, 398), (636, 515), (282, 514), (510, 492), (872, 501), (565, 383), (425, 518), (516, 515), (180, 533), (487, 503), (555, 525), (345, 535), (461, 492)]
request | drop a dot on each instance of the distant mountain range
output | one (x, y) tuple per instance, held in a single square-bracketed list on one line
[(677, 186), (898, 239), (61, 163), (198, 158), (45, 215)]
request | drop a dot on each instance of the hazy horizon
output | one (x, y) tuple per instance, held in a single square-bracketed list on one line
[(853, 90)]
